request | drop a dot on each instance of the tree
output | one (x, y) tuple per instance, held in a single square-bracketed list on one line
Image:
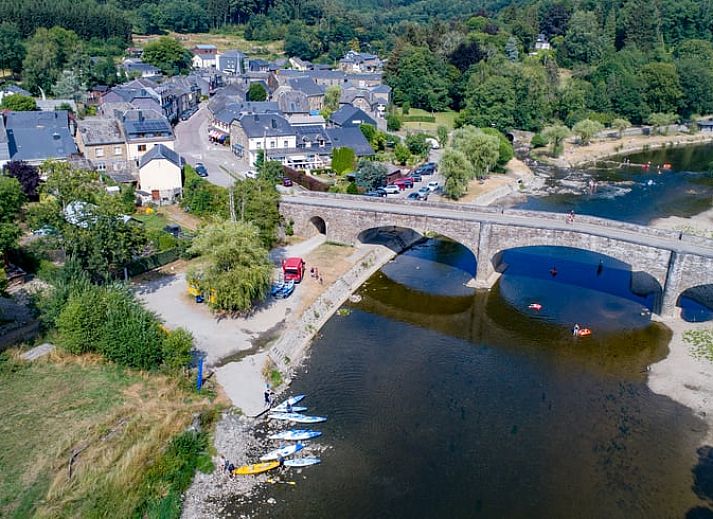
[(466, 54), (661, 121), (235, 268), (481, 150), (402, 153), (18, 103), (491, 102), (70, 86), (27, 175), (370, 175), (12, 51), (50, 51), (418, 144), (167, 54), (344, 159), (662, 89), (332, 96), (257, 202), (104, 72), (505, 149), (696, 74), (584, 42), (511, 49), (11, 200), (620, 124), (457, 172), (586, 129), (442, 136), (556, 135), (271, 171), (393, 123), (639, 22), (418, 77), (257, 92)]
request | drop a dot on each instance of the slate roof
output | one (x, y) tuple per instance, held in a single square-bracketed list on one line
[(138, 124), (267, 125), (350, 138), (346, 115), (292, 101), (233, 111), (100, 130), (381, 89), (14, 89), (306, 85), (35, 136), (161, 152)]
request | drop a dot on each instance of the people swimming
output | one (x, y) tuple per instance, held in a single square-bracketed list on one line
[(553, 271), (600, 268)]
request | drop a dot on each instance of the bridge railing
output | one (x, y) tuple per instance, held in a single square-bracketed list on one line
[(561, 217)]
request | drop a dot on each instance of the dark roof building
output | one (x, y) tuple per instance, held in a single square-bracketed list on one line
[(350, 138), (161, 152), (265, 125), (38, 136), (349, 116)]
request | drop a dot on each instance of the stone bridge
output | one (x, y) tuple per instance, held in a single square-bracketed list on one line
[(678, 262)]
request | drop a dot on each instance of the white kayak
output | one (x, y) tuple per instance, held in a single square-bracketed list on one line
[(297, 417), (292, 401), (282, 452), (302, 462), (283, 409), (295, 434)]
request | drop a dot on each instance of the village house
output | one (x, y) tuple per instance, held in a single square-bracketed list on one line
[(101, 142), (34, 137), (134, 67), (161, 174), (232, 62), (350, 117), (144, 129), (254, 132), (358, 62), (204, 56)]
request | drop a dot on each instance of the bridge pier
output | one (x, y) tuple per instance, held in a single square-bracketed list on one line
[(671, 289)]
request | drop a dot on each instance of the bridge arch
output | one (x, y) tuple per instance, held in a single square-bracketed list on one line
[(319, 224), (696, 303)]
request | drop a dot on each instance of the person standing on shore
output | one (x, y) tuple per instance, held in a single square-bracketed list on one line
[(267, 395)]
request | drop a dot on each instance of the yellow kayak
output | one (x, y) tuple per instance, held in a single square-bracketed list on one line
[(258, 468)]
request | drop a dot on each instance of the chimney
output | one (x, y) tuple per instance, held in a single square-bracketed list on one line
[(274, 123)]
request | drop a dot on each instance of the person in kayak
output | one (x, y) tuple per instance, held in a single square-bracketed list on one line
[(289, 407), (575, 330)]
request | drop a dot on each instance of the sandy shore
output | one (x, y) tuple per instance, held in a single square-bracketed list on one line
[(496, 186), (685, 378), (576, 155)]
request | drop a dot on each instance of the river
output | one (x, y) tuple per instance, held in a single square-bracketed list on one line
[(447, 402)]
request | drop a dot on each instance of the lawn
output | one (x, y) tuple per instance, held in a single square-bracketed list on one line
[(153, 222), (446, 119), (116, 422)]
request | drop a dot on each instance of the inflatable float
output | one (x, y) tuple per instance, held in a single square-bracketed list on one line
[(583, 332), (535, 306)]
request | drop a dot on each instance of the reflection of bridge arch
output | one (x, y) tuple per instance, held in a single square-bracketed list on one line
[(577, 266), (676, 261), (701, 295)]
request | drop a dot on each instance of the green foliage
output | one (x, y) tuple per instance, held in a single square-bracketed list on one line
[(236, 266), (555, 136), (344, 159), (257, 92), (442, 136), (586, 129), (11, 200), (3, 281), (418, 77), (18, 103), (538, 141), (701, 342), (202, 198), (418, 144), (481, 150), (661, 121), (370, 175), (11, 54), (331, 100), (177, 346), (256, 202), (352, 189), (393, 123), (457, 171), (167, 54), (505, 149), (401, 153), (271, 171)]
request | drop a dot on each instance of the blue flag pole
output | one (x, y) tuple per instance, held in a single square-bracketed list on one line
[(199, 379)]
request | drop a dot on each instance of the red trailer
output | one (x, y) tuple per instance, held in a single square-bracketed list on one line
[(293, 269)]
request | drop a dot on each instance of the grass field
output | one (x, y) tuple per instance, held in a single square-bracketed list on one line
[(446, 119), (224, 41), (116, 422), (153, 222)]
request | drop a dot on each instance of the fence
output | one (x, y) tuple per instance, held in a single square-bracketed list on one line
[(305, 180), (159, 259)]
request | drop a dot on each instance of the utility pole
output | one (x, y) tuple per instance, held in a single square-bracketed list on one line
[(231, 198)]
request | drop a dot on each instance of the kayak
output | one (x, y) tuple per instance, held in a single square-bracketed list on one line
[(302, 462), (297, 417), (283, 409), (296, 434), (292, 401), (282, 452), (257, 468)]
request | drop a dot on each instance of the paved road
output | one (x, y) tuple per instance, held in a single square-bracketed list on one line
[(193, 144), (639, 235)]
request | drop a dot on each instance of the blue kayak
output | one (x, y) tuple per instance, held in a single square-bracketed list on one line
[(297, 417), (296, 434)]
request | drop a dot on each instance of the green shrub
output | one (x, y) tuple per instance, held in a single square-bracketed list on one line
[(177, 346), (393, 123), (352, 189), (538, 141), (418, 119)]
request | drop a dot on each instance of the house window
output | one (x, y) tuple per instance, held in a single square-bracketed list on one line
[(117, 150), (258, 145), (101, 166), (99, 152), (272, 144), (284, 144), (142, 147)]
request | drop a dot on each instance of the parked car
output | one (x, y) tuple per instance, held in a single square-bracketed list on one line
[(417, 196), (392, 189), (424, 191), (415, 176), (45, 231), (381, 191), (250, 174), (432, 185), (188, 113), (286, 182), (375, 193), (403, 183), (201, 170)]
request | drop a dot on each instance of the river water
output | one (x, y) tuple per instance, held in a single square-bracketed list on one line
[(446, 402)]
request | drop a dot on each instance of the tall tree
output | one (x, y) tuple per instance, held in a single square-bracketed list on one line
[(236, 269), (586, 129), (167, 54), (12, 51), (332, 96), (27, 175), (556, 135), (662, 89), (457, 171), (18, 103), (585, 41), (257, 92), (11, 200)]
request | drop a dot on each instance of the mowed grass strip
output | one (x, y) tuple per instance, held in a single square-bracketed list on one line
[(117, 422)]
